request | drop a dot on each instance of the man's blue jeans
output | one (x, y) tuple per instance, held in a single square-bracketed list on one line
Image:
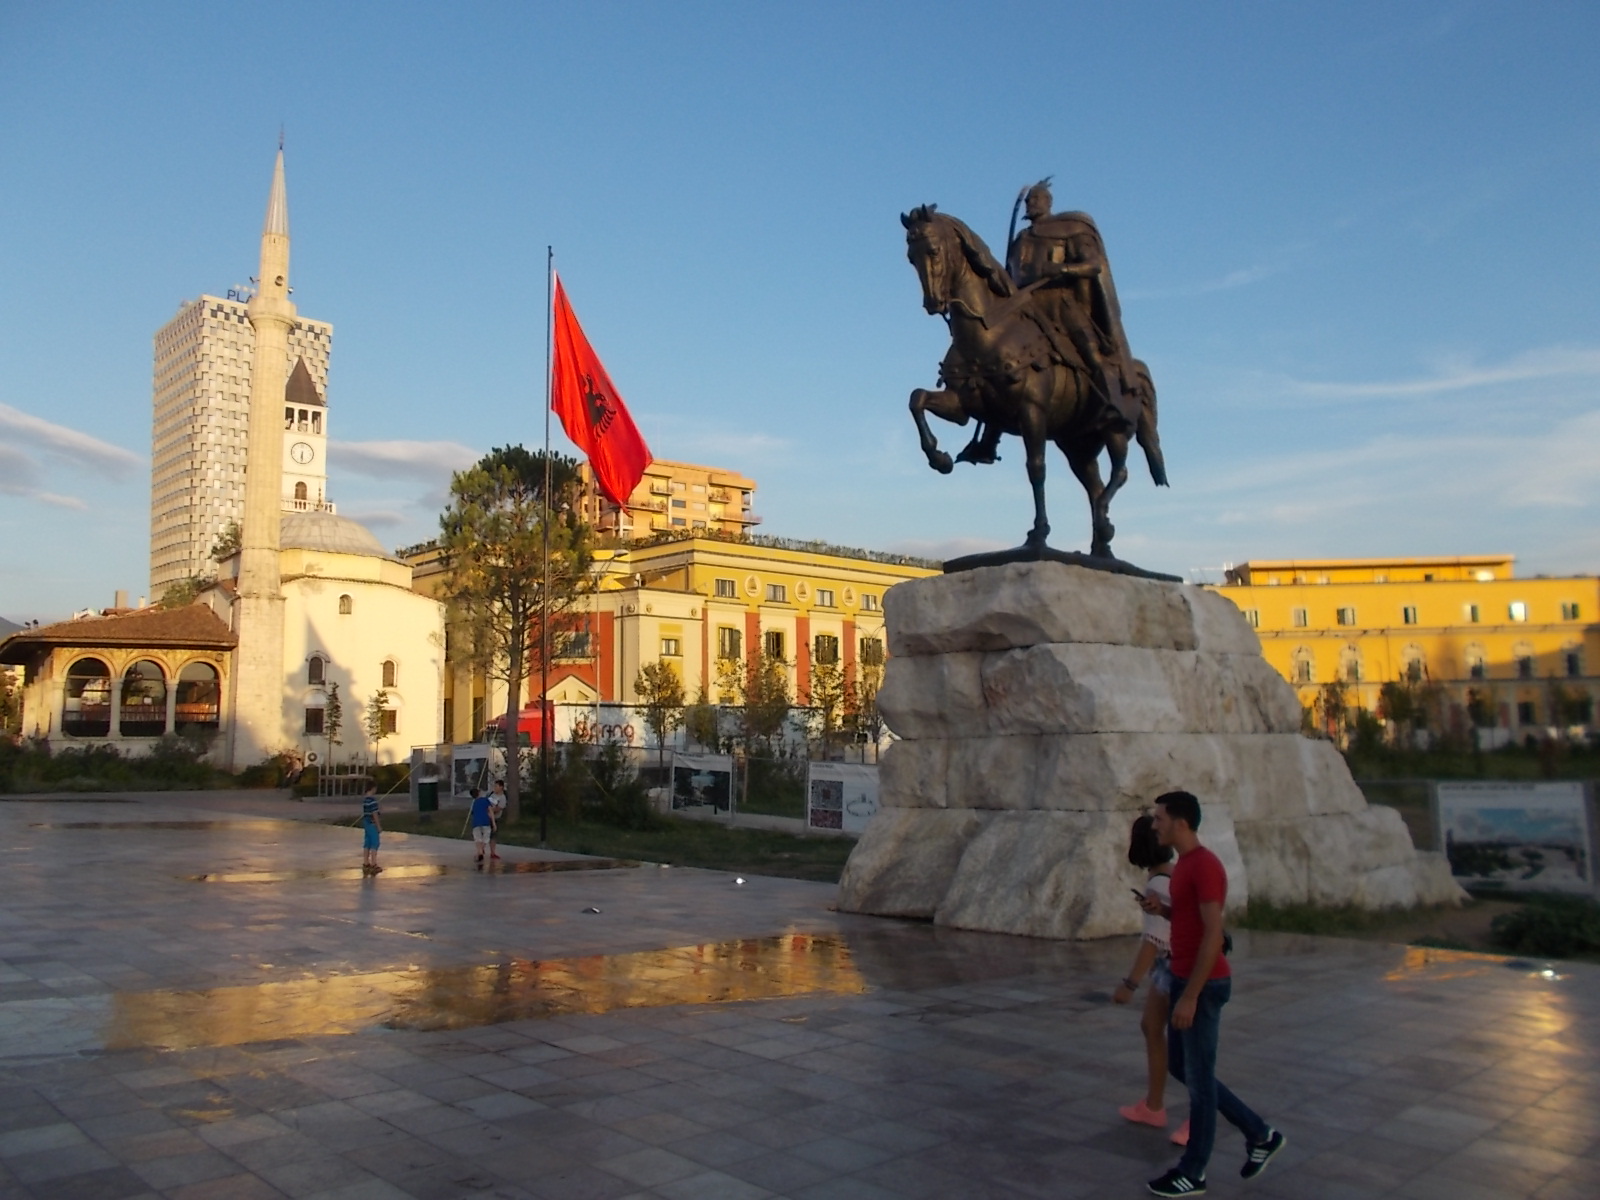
[(1192, 1061)]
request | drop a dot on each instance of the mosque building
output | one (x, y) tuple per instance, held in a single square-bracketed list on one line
[(308, 606)]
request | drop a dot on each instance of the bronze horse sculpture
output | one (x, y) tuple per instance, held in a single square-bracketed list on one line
[(1010, 370)]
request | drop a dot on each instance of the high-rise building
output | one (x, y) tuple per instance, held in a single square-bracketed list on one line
[(673, 496), (200, 433)]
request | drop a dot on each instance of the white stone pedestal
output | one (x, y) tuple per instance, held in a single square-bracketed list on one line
[(1041, 707)]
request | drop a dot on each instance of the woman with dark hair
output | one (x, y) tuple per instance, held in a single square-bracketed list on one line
[(1146, 852)]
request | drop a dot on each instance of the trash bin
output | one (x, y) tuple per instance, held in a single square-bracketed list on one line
[(428, 794)]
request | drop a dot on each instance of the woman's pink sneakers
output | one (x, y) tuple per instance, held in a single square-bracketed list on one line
[(1142, 1114)]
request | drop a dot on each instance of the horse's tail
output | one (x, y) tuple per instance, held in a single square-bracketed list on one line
[(1148, 438)]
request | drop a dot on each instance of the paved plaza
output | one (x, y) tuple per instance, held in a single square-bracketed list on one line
[(201, 997)]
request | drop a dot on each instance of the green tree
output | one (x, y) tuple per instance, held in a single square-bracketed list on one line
[(373, 718), (825, 696), (701, 721), (732, 674), (184, 592), (1481, 709), (332, 719), (861, 715), (493, 544), (767, 699), (227, 543), (1333, 709), (660, 693), (10, 702)]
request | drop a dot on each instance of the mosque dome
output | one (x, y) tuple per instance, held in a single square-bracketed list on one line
[(330, 534)]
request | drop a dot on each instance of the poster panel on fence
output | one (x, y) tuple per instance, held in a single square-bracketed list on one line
[(702, 781), (841, 796), (1533, 836), (469, 768)]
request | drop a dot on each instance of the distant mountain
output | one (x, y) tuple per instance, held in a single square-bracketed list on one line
[(7, 628)]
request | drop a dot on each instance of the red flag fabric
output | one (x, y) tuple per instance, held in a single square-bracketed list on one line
[(591, 411)]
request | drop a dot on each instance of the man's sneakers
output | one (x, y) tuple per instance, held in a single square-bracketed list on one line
[(1176, 1183), (1261, 1154)]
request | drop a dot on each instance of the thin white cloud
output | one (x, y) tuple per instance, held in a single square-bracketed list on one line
[(67, 443), (1551, 362), (1480, 479), (378, 518), (19, 476), (428, 461), (1242, 277)]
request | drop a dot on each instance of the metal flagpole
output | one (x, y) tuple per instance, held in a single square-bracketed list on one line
[(544, 592)]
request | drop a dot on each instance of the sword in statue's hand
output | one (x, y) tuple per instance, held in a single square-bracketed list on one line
[(1011, 234)]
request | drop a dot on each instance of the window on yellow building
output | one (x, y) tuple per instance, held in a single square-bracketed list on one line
[(1298, 618), (727, 589), (772, 644), (1408, 614), (869, 602), (1350, 665), (1569, 612), (671, 648), (1574, 662), (1304, 671), (777, 593), (824, 597), (1346, 616), (1518, 610), (825, 649), (1476, 668), (1522, 655), (1252, 617), (730, 642), (872, 652), (1470, 611), (1527, 712)]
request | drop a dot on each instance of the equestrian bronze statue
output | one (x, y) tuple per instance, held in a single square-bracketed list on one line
[(1037, 349)]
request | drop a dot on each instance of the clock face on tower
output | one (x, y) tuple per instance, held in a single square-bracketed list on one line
[(302, 452)]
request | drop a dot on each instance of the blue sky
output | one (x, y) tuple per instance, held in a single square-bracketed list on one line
[(1357, 245)]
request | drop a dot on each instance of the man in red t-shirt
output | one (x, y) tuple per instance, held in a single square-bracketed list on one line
[(1201, 984)]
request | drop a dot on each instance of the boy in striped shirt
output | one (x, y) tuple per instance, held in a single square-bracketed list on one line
[(370, 829)]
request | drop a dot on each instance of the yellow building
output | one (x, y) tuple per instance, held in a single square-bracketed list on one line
[(692, 602), (1521, 653), (673, 496)]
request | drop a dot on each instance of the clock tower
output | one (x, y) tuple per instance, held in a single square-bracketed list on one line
[(305, 444)]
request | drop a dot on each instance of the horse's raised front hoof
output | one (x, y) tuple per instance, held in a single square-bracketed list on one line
[(940, 462)]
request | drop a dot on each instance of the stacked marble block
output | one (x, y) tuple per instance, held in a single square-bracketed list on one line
[(1040, 707)]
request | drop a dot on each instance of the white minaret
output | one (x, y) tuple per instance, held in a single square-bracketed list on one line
[(258, 677)]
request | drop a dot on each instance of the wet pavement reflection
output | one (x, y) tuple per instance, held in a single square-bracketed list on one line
[(238, 826), (794, 964), (415, 871)]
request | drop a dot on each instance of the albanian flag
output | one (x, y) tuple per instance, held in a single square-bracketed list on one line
[(591, 411)]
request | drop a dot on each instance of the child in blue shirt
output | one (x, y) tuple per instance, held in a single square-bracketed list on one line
[(481, 818), (370, 829)]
